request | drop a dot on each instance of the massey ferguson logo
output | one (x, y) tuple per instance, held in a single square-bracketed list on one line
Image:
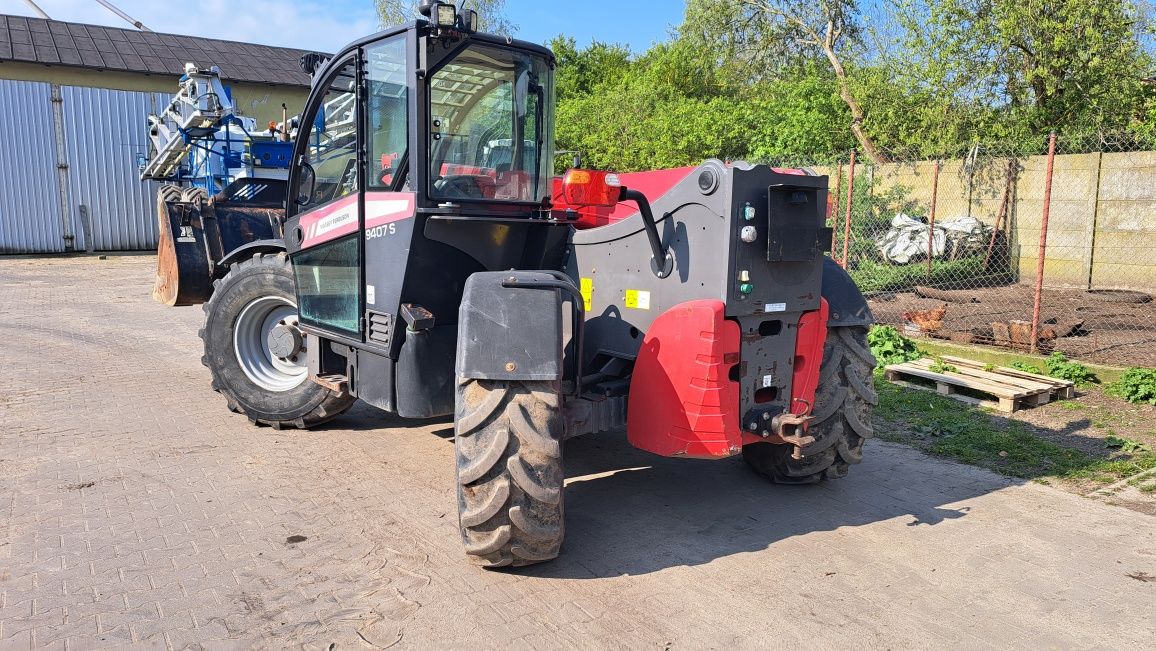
[(330, 223)]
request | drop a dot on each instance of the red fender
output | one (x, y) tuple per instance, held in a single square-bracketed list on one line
[(682, 402)]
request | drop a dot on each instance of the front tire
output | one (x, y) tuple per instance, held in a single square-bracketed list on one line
[(247, 305), (508, 447), (843, 405)]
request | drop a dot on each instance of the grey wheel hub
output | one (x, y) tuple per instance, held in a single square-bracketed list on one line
[(268, 345), (285, 341)]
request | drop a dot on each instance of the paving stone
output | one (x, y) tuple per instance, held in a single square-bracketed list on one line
[(180, 541)]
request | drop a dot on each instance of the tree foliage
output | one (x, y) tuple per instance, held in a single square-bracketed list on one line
[(1042, 65), (788, 81), (763, 38)]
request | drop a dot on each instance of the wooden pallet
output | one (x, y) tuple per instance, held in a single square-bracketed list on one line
[(1012, 388)]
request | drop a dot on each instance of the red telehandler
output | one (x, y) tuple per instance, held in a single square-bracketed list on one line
[(428, 263)]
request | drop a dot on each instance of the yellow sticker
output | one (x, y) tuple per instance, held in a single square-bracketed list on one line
[(587, 289), (638, 299)]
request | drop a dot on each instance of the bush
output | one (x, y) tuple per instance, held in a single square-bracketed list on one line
[(890, 347), (1058, 366), (1137, 385)]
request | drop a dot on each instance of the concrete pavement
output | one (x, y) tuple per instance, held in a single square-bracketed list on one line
[(135, 509)]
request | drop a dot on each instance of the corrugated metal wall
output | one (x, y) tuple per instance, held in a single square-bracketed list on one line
[(30, 220), (105, 133)]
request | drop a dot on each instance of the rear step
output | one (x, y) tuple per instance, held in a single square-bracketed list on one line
[(333, 381)]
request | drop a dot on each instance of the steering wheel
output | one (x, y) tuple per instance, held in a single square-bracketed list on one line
[(459, 187)]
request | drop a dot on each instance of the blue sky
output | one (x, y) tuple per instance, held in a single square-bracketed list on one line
[(328, 24), (632, 22)]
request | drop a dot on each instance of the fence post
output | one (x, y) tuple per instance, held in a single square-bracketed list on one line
[(847, 220), (834, 212), (1043, 242), (931, 219)]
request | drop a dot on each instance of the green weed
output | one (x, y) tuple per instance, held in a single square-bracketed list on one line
[(890, 347), (1137, 385)]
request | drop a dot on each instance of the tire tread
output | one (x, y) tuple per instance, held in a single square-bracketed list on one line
[(842, 416), (332, 405), (509, 465)]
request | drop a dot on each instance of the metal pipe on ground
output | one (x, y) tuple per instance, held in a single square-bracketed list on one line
[(847, 220), (1043, 242), (1003, 208)]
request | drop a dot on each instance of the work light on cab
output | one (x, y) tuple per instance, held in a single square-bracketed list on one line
[(591, 188), (445, 16)]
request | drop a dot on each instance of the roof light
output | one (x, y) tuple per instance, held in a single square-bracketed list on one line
[(445, 15), (471, 21)]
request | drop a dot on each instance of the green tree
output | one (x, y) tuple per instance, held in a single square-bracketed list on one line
[(766, 37), (1072, 65), (491, 14), (668, 108), (581, 70)]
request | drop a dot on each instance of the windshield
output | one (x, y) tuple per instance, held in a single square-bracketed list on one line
[(490, 126)]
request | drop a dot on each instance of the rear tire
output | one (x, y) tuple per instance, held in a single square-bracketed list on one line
[(193, 195), (843, 405), (234, 349), (169, 192), (508, 446)]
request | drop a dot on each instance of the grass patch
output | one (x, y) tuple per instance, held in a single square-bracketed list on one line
[(875, 276), (945, 427)]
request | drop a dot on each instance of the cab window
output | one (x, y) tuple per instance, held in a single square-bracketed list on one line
[(387, 107), (489, 137), (328, 274), (332, 146)]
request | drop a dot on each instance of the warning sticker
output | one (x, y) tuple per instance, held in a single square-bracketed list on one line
[(637, 299), (586, 286)]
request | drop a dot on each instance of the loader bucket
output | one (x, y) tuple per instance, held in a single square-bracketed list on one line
[(183, 273), (195, 236)]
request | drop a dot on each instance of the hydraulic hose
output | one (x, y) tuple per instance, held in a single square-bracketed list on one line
[(656, 249)]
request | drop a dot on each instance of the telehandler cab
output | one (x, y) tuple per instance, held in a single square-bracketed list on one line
[(428, 262)]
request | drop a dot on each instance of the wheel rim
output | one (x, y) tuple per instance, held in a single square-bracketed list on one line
[(251, 345)]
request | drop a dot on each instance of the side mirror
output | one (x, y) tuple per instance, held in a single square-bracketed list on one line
[(307, 183), (591, 188)]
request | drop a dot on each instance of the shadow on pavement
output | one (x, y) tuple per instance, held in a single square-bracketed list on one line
[(629, 512)]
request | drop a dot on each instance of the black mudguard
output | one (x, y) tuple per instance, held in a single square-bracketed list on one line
[(246, 251), (846, 302), (510, 327)]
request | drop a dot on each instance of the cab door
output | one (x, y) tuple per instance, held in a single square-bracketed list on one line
[(323, 229)]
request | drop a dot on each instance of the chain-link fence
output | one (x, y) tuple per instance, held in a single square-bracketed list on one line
[(1049, 249)]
